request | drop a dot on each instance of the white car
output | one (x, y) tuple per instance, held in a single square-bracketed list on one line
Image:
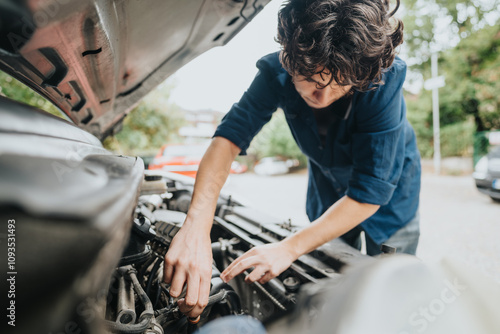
[(487, 174), (271, 166)]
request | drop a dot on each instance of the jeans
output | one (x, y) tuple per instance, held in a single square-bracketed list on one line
[(405, 240), (234, 324)]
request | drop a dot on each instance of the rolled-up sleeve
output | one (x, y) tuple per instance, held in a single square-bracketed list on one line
[(255, 108), (378, 142)]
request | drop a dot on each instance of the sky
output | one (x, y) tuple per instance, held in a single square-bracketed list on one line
[(217, 79)]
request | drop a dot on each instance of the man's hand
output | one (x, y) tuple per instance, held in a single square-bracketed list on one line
[(268, 261), (189, 261), (189, 258), (272, 259)]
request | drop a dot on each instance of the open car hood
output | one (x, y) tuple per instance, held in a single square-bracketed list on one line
[(95, 59)]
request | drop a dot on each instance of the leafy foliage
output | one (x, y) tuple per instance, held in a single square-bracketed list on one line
[(17, 91), (456, 138), (275, 139), (154, 122), (473, 72), (438, 25), (470, 62)]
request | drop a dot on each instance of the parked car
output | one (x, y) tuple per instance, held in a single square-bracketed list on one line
[(185, 159), (85, 231), (487, 174), (274, 166)]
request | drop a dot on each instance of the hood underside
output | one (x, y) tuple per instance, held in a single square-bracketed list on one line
[(95, 59)]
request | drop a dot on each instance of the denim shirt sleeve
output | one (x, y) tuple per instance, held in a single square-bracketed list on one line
[(378, 142), (255, 108)]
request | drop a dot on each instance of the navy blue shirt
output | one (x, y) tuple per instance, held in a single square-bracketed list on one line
[(370, 152)]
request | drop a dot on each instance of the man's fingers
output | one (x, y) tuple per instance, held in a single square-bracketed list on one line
[(234, 263), (168, 272), (182, 306), (239, 266), (204, 291), (202, 298), (256, 274), (177, 283), (266, 278), (193, 288)]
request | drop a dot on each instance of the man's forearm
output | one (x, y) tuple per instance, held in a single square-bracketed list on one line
[(211, 176), (189, 257), (341, 217)]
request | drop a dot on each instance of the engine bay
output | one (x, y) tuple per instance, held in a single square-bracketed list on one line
[(139, 300)]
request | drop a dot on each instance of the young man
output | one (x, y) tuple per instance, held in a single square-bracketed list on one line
[(340, 85)]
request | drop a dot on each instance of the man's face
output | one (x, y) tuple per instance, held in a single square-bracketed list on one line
[(313, 93)]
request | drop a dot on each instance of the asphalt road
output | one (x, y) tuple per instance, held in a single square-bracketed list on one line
[(457, 222)]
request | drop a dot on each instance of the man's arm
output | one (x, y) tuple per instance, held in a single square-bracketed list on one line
[(272, 259), (189, 258)]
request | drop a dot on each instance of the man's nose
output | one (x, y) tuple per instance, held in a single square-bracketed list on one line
[(319, 95)]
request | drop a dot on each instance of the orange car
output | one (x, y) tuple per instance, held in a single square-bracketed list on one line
[(185, 159)]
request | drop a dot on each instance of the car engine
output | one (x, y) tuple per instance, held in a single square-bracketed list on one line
[(139, 300)]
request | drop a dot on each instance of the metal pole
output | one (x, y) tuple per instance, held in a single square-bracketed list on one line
[(435, 116)]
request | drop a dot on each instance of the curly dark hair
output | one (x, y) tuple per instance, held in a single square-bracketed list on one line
[(354, 40)]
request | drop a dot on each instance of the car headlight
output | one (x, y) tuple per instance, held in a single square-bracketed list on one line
[(481, 169)]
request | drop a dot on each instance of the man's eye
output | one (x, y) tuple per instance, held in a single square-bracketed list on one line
[(320, 86)]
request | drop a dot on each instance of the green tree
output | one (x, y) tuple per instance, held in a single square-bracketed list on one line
[(275, 139), (154, 122), (467, 39), (466, 31), (472, 72), (438, 25), (17, 91)]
